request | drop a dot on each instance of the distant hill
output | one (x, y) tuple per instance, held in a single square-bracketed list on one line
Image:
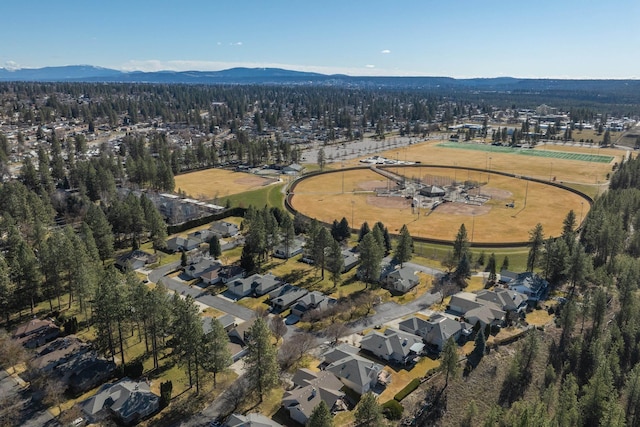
[(88, 73)]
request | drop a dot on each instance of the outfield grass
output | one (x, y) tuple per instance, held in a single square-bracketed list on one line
[(218, 184), (529, 152), (271, 196)]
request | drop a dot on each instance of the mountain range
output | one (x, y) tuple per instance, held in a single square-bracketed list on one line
[(88, 73)]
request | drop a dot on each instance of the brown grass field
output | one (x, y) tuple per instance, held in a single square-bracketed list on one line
[(212, 183), (563, 170), (321, 197)]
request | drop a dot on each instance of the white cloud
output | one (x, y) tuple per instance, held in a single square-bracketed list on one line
[(12, 66), (235, 44), (219, 43), (191, 65), (385, 51)]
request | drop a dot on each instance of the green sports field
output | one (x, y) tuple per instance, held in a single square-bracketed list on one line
[(595, 158)]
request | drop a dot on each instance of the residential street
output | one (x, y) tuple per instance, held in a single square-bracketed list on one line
[(214, 301)]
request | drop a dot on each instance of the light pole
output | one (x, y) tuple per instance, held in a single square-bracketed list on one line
[(343, 177), (581, 208), (489, 174), (550, 171)]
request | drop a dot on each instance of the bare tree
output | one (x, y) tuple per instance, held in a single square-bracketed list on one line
[(294, 349), (11, 352), (10, 406), (278, 327), (236, 394), (54, 393), (335, 331)]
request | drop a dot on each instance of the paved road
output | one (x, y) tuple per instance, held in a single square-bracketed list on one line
[(31, 413), (198, 294)]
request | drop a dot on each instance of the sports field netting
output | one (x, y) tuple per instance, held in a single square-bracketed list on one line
[(595, 158)]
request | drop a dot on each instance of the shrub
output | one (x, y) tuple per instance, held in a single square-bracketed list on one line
[(407, 389), (165, 393), (392, 410), (133, 370)]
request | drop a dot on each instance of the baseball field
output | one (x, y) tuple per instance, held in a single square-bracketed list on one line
[(581, 166), (213, 183)]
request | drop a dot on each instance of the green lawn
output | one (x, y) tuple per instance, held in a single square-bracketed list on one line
[(431, 255), (270, 195), (595, 158)]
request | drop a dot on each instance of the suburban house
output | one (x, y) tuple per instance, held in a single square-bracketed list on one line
[(296, 247), (532, 285), (238, 337), (437, 330), (36, 332), (467, 305), (197, 269), (228, 323), (392, 345), (401, 279), (311, 388), (350, 259), (507, 277), (224, 229), (211, 277), (356, 372), (312, 301), (339, 352), (86, 372), (134, 260), (59, 351), (256, 284), (128, 401), (203, 235), (228, 273), (506, 299), (253, 419), (178, 243), (284, 297)]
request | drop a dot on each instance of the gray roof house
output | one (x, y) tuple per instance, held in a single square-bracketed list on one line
[(224, 229), (203, 235), (507, 276), (339, 352), (311, 389), (402, 279), (351, 259), (467, 305), (437, 330), (256, 284), (228, 273), (392, 345), (179, 243), (312, 301), (356, 372), (283, 297), (197, 269), (506, 299), (135, 259), (532, 285), (250, 420), (228, 323), (296, 247), (129, 401)]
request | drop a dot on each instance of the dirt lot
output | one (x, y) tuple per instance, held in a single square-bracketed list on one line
[(211, 183)]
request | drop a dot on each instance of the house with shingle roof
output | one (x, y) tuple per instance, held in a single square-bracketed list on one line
[(311, 389), (393, 345), (437, 330), (129, 401), (356, 372), (284, 297), (401, 279), (253, 419), (312, 301)]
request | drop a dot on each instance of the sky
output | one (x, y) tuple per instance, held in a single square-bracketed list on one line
[(453, 38)]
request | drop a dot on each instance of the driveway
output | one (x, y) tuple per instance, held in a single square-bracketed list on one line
[(198, 294)]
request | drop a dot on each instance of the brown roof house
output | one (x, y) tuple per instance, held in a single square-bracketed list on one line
[(36, 332), (311, 388)]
